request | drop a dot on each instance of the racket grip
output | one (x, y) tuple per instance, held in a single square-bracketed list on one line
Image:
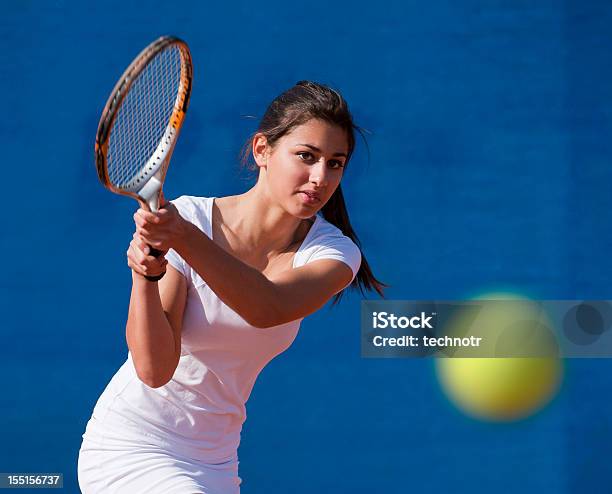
[(155, 253)]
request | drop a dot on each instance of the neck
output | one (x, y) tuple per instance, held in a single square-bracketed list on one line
[(262, 226)]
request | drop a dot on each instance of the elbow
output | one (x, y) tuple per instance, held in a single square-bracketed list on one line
[(262, 324), (267, 319), (157, 384), (152, 380), (259, 323), (267, 313), (263, 320)]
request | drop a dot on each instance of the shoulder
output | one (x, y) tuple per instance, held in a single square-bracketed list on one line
[(190, 203), (327, 233), (194, 209), (327, 241)]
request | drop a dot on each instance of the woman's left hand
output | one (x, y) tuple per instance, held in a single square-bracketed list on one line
[(161, 230)]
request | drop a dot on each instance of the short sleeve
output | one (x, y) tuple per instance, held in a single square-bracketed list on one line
[(185, 209), (340, 248)]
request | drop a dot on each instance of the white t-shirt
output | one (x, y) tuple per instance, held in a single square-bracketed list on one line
[(199, 413)]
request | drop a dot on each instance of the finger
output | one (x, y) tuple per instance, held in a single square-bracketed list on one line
[(134, 267), (144, 247), (142, 217), (133, 264), (157, 242), (140, 256), (143, 234), (141, 263), (136, 239), (138, 245), (141, 242), (151, 260), (139, 253), (149, 217), (140, 213), (133, 248), (152, 268), (145, 264), (163, 215), (146, 269)]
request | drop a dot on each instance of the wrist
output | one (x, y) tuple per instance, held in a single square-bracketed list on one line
[(183, 235), (143, 280)]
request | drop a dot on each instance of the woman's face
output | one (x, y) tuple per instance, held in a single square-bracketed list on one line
[(305, 166)]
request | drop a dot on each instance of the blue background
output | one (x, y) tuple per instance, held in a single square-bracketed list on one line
[(490, 169)]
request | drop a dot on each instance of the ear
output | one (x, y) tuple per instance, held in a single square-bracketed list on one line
[(260, 150)]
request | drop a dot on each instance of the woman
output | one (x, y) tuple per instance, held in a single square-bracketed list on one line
[(238, 276)]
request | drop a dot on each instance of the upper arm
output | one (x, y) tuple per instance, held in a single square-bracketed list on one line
[(173, 295), (301, 291)]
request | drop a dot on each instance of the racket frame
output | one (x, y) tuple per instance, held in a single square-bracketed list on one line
[(146, 186)]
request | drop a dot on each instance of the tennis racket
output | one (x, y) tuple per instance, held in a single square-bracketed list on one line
[(141, 121)]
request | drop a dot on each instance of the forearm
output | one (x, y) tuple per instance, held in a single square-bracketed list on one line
[(149, 335), (243, 288)]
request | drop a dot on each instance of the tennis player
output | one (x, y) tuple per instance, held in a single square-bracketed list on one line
[(239, 275)]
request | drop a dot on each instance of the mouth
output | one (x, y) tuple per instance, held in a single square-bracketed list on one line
[(310, 196)]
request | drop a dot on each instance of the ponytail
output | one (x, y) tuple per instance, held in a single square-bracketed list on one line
[(336, 213)]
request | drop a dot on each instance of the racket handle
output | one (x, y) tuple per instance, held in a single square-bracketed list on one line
[(155, 253)]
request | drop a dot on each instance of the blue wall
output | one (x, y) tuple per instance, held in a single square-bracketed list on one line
[(490, 168)]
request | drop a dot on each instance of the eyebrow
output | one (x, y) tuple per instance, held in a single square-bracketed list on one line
[(314, 148)]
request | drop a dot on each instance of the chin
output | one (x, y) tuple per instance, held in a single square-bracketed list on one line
[(304, 214), (305, 211)]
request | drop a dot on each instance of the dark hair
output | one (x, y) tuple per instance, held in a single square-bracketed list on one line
[(296, 106)]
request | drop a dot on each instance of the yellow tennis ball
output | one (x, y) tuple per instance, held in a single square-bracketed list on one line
[(503, 389), (499, 389)]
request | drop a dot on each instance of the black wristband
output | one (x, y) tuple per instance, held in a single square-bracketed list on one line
[(156, 277)]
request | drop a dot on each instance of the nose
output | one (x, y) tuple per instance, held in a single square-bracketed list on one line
[(319, 173)]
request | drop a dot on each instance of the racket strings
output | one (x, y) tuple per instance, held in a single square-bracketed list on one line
[(143, 117)]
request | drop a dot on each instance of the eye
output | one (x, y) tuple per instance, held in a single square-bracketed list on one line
[(302, 153), (306, 156)]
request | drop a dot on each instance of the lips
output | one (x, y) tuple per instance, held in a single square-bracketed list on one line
[(312, 195)]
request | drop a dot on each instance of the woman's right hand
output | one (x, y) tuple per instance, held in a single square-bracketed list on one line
[(140, 260)]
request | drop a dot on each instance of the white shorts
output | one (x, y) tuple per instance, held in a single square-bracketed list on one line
[(138, 469)]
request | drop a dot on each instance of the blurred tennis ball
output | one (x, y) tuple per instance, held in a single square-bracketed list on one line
[(502, 388)]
